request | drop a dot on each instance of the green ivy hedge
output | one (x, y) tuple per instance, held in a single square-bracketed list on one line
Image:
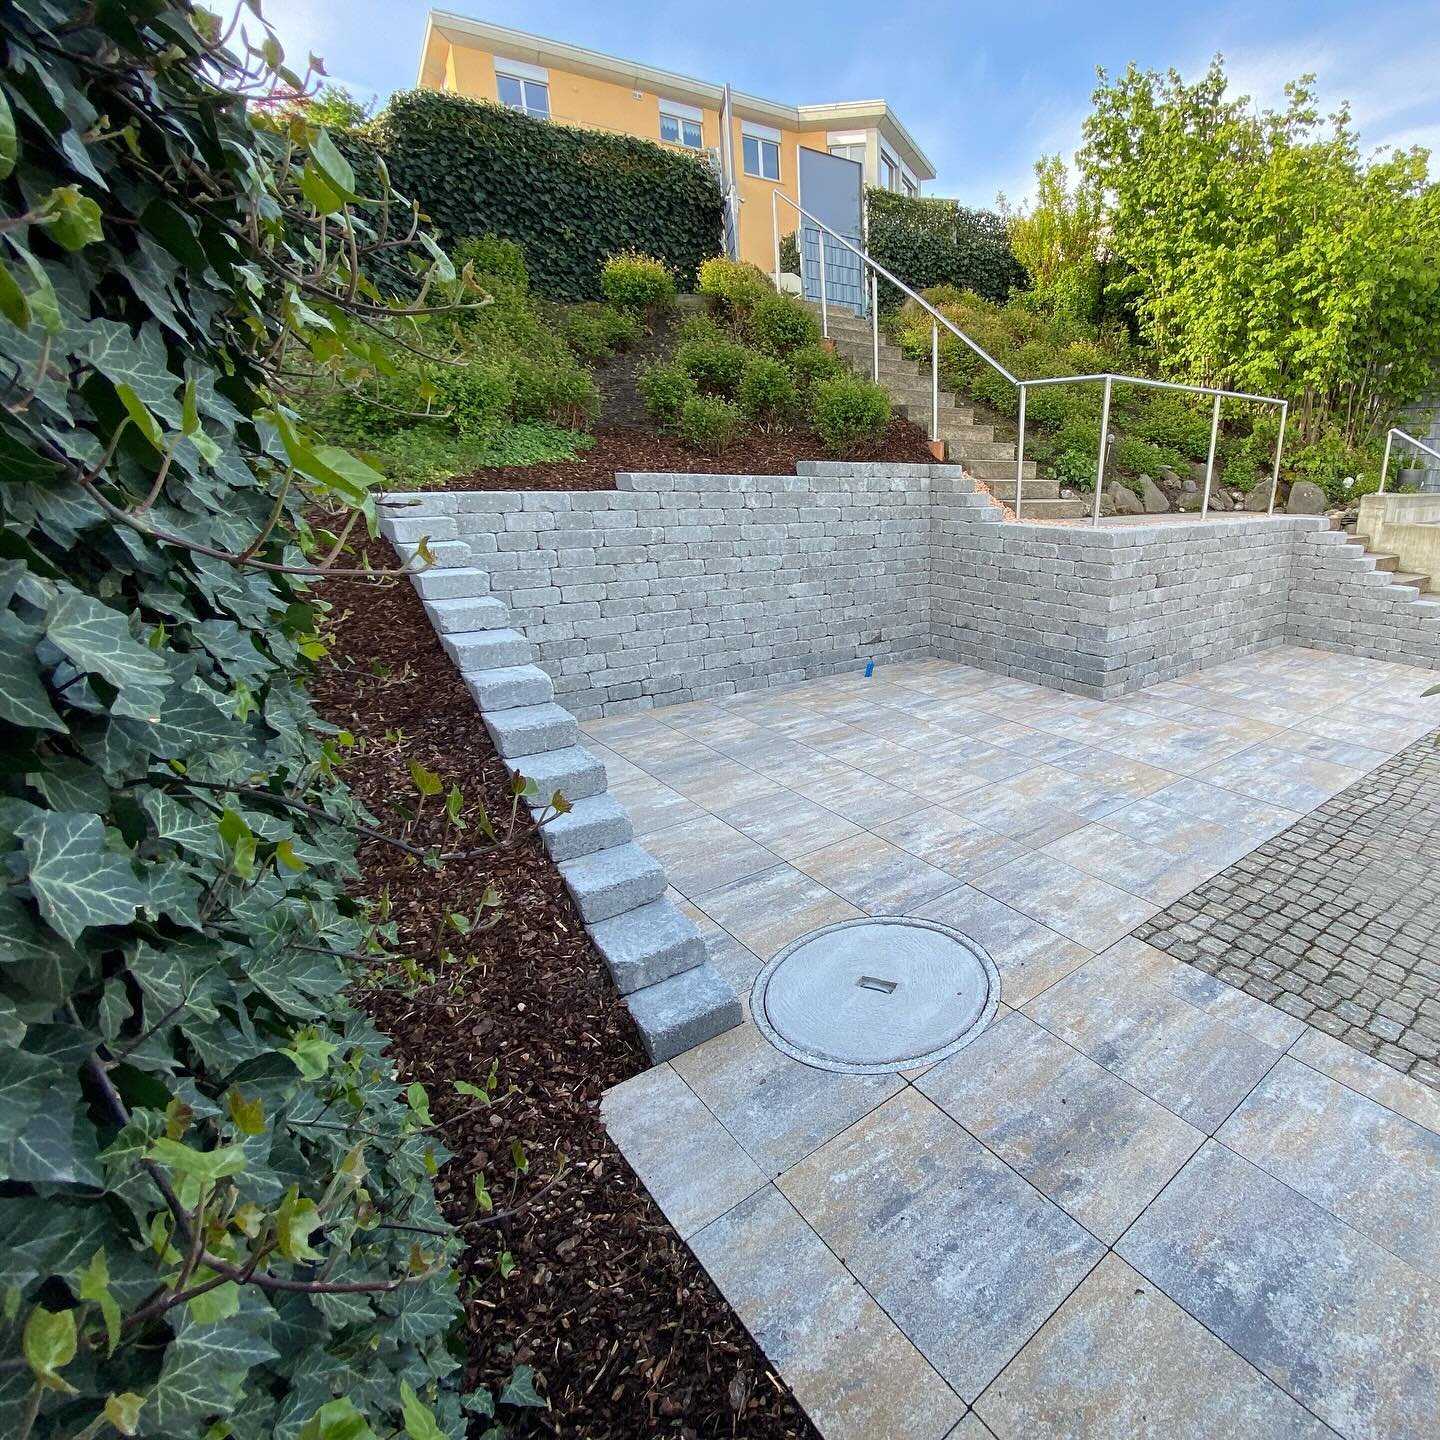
[(569, 197), (939, 242), (216, 1205)]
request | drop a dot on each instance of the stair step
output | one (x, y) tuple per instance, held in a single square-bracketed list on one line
[(1054, 509), (1034, 489), (1407, 577), (988, 470)]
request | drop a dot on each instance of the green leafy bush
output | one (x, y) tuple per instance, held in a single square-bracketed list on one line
[(709, 423), (717, 366), (849, 413), (216, 1203), (594, 331), (562, 394), (928, 242), (812, 363), (735, 287), (632, 281), (478, 396), (569, 197), (780, 324), (766, 394), (700, 326), (1168, 419), (666, 390), (495, 258), (533, 443), (1136, 456)]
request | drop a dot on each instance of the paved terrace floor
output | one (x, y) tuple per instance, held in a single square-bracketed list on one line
[(1142, 1202)]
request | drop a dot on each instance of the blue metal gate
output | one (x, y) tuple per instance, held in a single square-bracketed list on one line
[(832, 190)]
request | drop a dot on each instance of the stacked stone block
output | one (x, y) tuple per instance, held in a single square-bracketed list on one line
[(655, 953)]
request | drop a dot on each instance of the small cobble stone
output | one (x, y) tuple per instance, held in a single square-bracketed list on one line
[(1336, 920)]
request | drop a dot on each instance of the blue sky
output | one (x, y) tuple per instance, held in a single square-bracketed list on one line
[(985, 88)]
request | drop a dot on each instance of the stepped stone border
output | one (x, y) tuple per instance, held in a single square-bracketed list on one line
[(655, 954)]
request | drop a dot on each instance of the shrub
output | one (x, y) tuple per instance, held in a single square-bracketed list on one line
[(790, 254), (492, 256), (734, 286), (849, 413), (477, 396), (812, 363), (708, 423), (767, 394), (779, 324), (1137, 456), (632, 281), (666, 389), (570, 197), (594, 331), (716, 366), (203, 1135), (700, 326), (929, 242), (1168, 419), (562, 394)]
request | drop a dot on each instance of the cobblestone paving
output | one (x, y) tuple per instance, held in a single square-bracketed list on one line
[(1337, 919)]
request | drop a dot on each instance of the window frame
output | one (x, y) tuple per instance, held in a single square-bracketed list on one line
[(527, 78), (669, 110), (760, 141)]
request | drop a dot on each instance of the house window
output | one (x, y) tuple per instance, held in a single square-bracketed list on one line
[(889, 172), (849, 152), (762, 156), (910, 186), (681, 125), (523, 87)]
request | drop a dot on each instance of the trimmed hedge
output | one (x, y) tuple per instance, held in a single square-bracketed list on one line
[(568, 197), (939, 242)]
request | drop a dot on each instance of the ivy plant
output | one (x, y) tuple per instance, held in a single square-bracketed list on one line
[(216, 1205)]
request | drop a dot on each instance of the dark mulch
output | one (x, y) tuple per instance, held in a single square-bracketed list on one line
[(616, 376), (628, 1336), (625, 450)]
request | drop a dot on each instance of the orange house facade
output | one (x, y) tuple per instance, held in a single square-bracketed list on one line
[(568, 85)]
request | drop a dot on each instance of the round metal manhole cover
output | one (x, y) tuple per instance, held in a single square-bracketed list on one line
[(871, 996)]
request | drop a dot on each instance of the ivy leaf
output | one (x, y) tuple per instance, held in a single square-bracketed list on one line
[(26, 1082), (97, 639), (93, 1284), (123, 1412), (72, 219), (247, 1112), (520, 1390), (419, 1102), (23, 697), (9, 141), (296, 1220), (13, 304), (140, 415), (204, 1370), (419, 1420), (49, 1345), (76, 880), (206, 1165), (427, 782), (336, 1420)]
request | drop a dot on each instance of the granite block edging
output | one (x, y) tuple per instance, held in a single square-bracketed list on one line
[(655, 953)]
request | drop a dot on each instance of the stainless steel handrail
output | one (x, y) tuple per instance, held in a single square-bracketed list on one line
[(1409, 440), (1108, 379)]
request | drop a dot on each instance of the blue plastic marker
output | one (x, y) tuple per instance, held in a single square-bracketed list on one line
[(869, 668)]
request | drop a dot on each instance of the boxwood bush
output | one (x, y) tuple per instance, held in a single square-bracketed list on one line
[(849, 414), (632, 281)]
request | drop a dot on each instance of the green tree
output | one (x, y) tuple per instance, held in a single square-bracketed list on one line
[(1059, 239), (1263, 251)]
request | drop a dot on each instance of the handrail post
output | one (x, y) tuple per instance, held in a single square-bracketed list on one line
[(1279, 446), (1104, 437), (1210, 458), (824, 288), (875, 325), (775, 233), (1385, 463), (1020, 453), (934, 381)]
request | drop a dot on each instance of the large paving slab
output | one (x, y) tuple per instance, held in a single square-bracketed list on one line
[(1147, 1201)]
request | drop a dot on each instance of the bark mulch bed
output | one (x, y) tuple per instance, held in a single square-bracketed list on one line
[(623, 449), (628, 1337)]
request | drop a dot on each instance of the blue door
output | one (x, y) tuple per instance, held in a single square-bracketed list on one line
[(832, 189)]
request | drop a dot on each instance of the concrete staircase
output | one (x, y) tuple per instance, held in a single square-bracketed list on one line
[(968, 443), (1390, 565)]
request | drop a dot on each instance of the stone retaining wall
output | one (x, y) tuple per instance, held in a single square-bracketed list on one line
[(1106, 611), (679, 587)]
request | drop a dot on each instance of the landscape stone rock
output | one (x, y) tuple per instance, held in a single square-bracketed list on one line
[(1258, 500), (1124, 499), (1168, 475), (1190, 501), (1306, 498), (1152, 497)]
